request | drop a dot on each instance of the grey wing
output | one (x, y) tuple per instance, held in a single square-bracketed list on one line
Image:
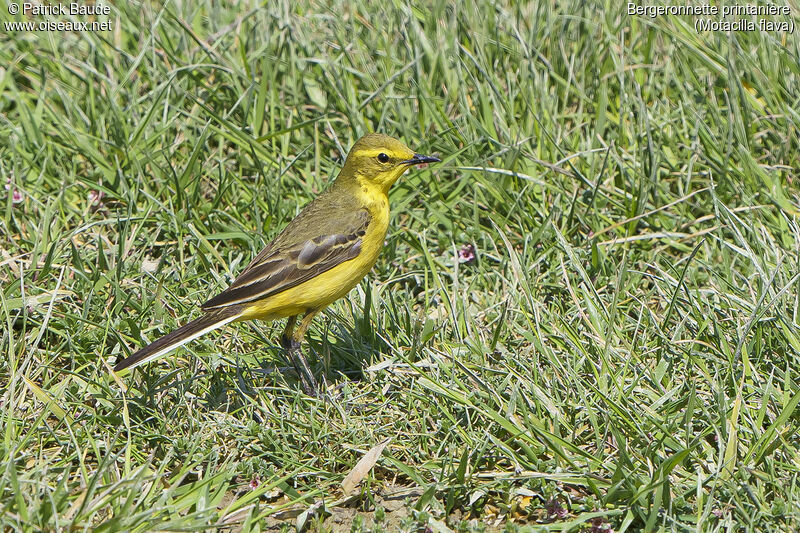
[(283, 266)]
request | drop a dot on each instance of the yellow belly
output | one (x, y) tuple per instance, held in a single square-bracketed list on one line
[(329, 286)]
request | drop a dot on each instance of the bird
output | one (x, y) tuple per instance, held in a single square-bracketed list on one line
[(316, 259)]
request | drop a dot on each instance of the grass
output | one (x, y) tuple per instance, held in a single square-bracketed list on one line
[(621, 352)]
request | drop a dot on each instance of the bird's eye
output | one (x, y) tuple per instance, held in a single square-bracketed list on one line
[(383, 158)]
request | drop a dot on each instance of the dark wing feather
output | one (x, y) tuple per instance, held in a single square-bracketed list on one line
[(285, 262)]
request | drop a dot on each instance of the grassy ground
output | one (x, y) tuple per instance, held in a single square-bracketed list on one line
[(621, 352)]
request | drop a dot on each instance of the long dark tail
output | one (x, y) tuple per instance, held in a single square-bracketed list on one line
[(179, 337)]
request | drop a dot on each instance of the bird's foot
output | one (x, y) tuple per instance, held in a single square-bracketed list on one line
[(287, 343), (309, 382)]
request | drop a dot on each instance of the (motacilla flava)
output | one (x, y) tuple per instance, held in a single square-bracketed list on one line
[(317, 258)]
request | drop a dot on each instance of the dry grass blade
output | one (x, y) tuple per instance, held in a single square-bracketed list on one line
[(363, 467)]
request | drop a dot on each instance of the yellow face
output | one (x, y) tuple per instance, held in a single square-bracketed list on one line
[(378, 159)]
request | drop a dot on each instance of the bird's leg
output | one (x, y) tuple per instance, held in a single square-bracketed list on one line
[(290, 340), (286, 336)]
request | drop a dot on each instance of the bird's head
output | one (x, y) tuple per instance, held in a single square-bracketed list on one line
[(378, 160)]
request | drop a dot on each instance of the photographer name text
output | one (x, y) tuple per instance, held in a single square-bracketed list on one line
[(43, 17), (71, 9)]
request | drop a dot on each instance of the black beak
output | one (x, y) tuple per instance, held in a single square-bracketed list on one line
[(418, 159)]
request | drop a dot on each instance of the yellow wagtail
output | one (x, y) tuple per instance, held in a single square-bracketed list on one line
[(317, 258)]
